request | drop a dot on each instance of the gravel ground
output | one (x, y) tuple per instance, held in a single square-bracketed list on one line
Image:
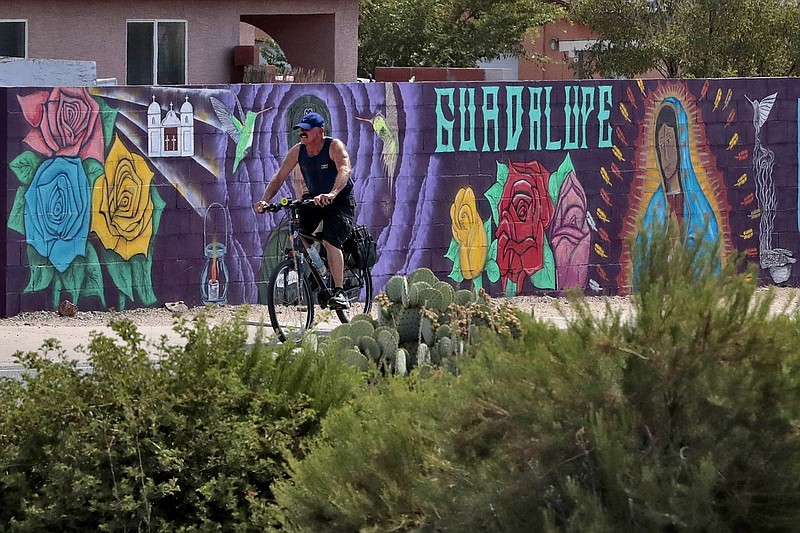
[(27, 332), (541, 306)]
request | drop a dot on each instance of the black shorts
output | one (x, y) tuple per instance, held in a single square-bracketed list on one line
[(337, 219)]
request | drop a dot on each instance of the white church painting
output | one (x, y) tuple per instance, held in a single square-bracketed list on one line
[(172, 136)]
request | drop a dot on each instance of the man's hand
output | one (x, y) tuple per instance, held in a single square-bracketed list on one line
[(324, 199), (260, 207)]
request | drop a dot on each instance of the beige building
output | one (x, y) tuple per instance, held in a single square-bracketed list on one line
[(160, 42)]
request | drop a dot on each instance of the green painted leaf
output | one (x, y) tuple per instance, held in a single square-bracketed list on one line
[(546, 277), (120, 272), (495, 192), (492, 253), (56, 290), (453, 250), (511, 289), (142, 269), (453, 255), (142, 281), (42, 271), (93, 280), (557, 178), (25, 166), (502, 173), (108, 116), (16, 218), (93, 168), (492, 270), (72, 277)]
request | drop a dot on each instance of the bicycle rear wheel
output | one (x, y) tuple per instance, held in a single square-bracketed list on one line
[(359, 290), (289, 301)]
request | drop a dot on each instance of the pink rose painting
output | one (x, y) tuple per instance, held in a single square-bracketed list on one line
[(570, 235), (65, 122)]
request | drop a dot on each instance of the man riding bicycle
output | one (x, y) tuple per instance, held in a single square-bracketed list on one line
[(325, 166)]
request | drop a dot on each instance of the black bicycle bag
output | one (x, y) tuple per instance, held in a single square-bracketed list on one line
[(361, 248)]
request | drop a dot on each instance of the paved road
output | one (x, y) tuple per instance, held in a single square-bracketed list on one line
[(27, 338)]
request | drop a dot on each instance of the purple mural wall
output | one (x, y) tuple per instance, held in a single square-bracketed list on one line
[(122, 197)]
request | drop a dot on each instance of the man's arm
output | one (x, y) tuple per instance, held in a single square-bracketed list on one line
[(299, 183), (338, 153), (289, 162)]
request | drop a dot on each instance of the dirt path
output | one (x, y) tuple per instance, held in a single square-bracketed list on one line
[(28, 331)]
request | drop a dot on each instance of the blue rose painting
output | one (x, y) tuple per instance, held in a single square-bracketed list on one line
[(57, 209)]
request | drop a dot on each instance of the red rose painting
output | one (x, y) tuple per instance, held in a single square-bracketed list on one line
[(525, 211)]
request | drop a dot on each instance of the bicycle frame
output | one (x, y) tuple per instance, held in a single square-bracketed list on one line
[(302, 260)]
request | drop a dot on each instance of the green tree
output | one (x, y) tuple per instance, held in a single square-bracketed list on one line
[(690, 38), (445, 33)]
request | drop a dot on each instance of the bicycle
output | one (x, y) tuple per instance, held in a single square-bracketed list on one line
[(296, 285)]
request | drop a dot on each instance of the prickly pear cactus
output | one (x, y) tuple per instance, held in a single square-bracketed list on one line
[(389, 341), (464, 297), (401, 362), (370, 348), (423, 274), (423, 355), (361, 328), (407, 324), (355, 358), (443, 331), (427, 331), (397, 290)]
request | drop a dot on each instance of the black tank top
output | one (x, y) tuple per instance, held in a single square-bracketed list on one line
[(319, 171)]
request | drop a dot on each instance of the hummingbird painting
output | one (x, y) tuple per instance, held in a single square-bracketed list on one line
[(240, 132), (385, 126)]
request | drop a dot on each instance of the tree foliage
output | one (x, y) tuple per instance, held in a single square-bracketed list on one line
[(690, 38), (445, 33)]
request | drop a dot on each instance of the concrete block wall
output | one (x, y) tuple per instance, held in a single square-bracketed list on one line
[(113, 195)]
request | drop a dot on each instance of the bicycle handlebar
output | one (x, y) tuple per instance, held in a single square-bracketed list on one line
[(285, 203)]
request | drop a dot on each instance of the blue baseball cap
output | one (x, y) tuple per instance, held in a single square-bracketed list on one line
[(310, 121)]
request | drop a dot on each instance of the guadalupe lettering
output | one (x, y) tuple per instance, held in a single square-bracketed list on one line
[(518, 117)]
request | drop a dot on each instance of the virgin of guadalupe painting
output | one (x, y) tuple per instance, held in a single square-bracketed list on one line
[(675, 179)]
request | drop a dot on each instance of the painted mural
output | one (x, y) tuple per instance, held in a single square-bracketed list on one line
[(123, 197)]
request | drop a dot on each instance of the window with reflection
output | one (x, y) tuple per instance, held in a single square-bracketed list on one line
[(156, 52)]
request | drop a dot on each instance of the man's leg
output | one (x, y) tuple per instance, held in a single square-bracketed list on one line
[(335, 263)]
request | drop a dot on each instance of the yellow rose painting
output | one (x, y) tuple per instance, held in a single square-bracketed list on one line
[(469, 233), (122, 204)]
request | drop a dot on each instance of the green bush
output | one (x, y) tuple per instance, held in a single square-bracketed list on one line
[(190, 440), (682, 416)]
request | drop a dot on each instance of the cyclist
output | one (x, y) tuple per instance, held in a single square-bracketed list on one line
[(325, 167)]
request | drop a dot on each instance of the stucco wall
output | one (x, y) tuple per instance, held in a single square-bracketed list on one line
[(519, 188), (96, 31)]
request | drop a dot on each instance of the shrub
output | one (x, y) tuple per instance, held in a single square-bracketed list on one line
[(682, 416), (189, 441)]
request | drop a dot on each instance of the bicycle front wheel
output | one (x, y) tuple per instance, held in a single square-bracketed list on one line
[(360, 294), (291, 308)]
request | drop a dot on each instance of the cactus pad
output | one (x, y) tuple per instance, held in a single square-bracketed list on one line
[(397, 290), (407, 323), (401, 362), (423, 274), (361, 328), (388, 342), (355, 358), (369, 347), (464, 297)]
